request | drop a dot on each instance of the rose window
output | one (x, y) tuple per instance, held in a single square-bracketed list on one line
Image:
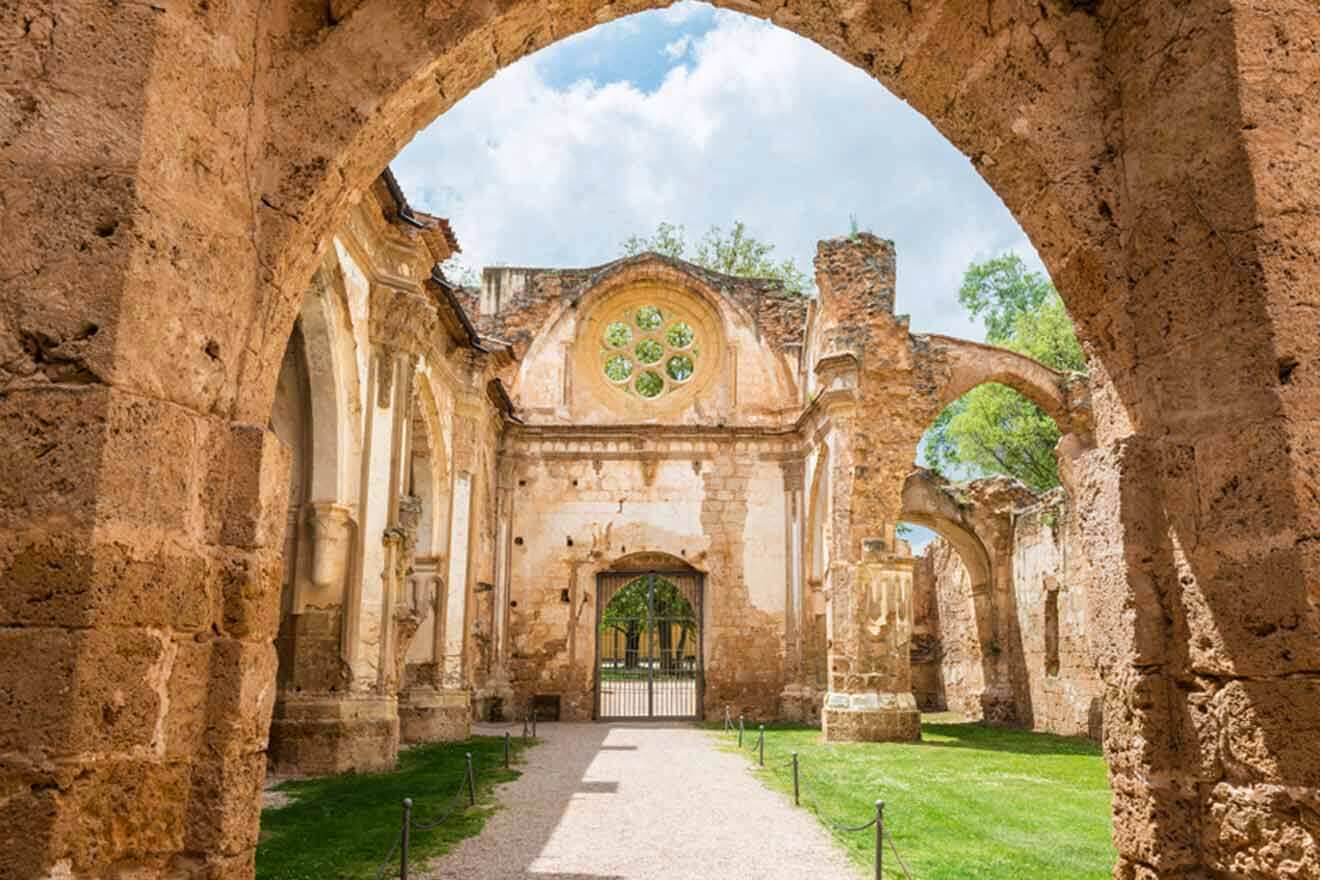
[(649, 351)]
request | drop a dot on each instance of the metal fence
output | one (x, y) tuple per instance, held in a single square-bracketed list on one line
[(793, 764)]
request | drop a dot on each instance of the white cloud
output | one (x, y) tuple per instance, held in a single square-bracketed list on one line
[(682, 12), (758, 125), (678, 48)]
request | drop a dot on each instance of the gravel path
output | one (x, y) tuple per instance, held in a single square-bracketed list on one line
[(635, 801)]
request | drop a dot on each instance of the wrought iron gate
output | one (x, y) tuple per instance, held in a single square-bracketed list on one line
[(648, 645)]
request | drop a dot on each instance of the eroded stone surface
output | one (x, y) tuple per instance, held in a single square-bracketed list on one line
[(174, 175)]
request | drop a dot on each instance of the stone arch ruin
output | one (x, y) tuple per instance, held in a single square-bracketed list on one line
[(173, 175)]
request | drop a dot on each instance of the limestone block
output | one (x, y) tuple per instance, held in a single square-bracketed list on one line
[(318, 735), (430, 715)]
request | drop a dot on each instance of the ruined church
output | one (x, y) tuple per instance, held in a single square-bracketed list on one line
[(645, 490), (174, 175)]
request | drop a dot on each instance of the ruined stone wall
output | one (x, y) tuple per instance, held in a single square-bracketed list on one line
[(1051, 589), (962, 670), (173, 169), (746, 349), (579, 512), (1043, 633), (925, 651)]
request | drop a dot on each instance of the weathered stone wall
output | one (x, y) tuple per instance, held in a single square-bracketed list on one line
[(376, 366), (960, 666), (578, 511), (1044, 637), (1051, 592)]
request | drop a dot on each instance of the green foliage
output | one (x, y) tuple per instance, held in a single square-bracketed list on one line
[(969, 800), (629, 604), (649, 351), (680, 335), (993, 429), (735, 252), (342, 826), (618, 334), (1001, 289), (618, 367)]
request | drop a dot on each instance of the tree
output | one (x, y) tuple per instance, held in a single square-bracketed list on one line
[(993, 429), (628, 613), (736, 252)]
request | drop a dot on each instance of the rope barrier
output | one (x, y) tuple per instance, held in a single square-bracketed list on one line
[(389, 859), (455, 803), (850, 828), (801, 788), (894, 849), (467, 791)]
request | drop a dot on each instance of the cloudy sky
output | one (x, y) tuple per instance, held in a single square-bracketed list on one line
[(700, 117)]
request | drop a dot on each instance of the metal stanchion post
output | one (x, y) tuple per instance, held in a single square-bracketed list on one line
[(403, 839), (879, 838), (761, 745), (533, 724), (524, 727), (740, 731), (506, 750), (472, 782), (797, 801)]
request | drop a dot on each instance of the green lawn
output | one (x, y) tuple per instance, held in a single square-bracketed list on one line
[(969, 801), (342, 826)]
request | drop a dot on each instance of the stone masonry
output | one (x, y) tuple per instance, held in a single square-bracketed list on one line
[(172, 176)]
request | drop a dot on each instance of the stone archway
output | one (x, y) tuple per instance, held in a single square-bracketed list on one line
[(170, 173), (927, 503)]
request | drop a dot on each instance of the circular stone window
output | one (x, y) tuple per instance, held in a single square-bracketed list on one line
[(648, 349)]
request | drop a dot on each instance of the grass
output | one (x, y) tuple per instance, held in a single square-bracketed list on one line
[(343, 826), (969, 801)]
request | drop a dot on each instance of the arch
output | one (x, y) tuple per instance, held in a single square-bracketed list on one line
[(642, 561), (328, 470), (963, 364), (1049, 99), (430, 473), (928, 502), (436, 56)]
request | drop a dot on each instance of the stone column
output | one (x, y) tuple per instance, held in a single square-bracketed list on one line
[(868, 592), (864, 378), (344, 718), (452, 642), (497, 690), (794, 700)]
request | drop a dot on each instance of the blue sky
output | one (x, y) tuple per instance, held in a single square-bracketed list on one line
[(701, 117), (640, 49)]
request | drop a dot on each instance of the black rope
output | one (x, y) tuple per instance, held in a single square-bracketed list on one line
[(894, 849), (389, 859), (838, 826), (804, 780), (455, 804)]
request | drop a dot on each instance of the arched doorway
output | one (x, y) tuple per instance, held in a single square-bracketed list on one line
[(648, 645)]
